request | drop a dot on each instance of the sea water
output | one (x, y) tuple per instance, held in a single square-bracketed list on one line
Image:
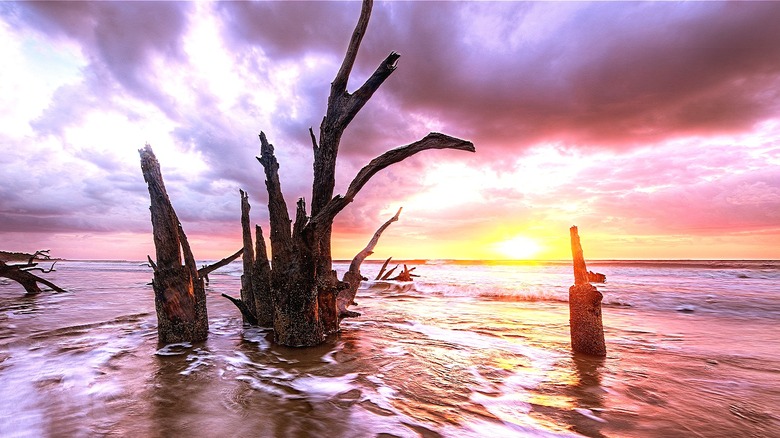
[(470, 349)]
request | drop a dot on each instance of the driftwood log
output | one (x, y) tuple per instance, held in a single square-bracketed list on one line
[(22, 273), (179, 290), (587, 331)]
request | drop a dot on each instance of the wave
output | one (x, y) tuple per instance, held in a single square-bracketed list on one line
[(421, 289)]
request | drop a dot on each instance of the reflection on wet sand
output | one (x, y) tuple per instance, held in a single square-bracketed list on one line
[(588, 394)]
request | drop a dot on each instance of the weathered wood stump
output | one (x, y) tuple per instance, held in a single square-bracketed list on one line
[(587, 331), (179, 290)]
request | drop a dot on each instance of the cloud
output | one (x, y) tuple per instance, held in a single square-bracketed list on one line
[(123, 37), (642, 117)]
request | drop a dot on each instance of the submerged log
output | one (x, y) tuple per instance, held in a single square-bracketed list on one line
[(587, 331), (21, 273)]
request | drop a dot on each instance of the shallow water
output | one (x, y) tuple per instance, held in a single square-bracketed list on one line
[(468, 350)]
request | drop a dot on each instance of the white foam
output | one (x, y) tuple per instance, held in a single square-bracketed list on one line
[(323, 388), (199, 358), (174, 349)]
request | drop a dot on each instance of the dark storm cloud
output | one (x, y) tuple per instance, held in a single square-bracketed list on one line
[(620, 73), (615, 74)]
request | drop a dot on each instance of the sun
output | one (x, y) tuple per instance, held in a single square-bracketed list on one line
[(519, 248)]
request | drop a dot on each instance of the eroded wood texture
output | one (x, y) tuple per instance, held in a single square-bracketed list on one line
[(587, 331)]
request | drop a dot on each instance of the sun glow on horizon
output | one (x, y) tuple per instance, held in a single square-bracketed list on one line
[(519, 248)]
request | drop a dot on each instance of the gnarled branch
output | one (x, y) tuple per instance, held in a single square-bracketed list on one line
[(382, 271), (434, 140), (29, 281), (339, 84), (249, 317), (353, 277), (361, 96)]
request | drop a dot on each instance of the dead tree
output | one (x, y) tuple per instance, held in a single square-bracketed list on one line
[(179, 292), (21, 273), (587, 331), (304, 289)]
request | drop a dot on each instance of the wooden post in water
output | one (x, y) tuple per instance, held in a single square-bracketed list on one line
[(587, 331)]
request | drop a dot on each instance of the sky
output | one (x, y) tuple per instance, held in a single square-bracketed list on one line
[(654, 127)]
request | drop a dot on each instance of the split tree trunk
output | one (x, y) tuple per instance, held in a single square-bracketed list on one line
[(587, 331), (179, 292)]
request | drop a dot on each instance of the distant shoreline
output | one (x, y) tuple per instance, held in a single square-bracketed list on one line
[(9, 256)]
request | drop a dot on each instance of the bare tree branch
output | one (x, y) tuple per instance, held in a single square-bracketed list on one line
[(339, 84), (249, 317), (359, 99), (353, 277), (369, 249), (314, 145), (434, 140), (206, 270), (21, 275)]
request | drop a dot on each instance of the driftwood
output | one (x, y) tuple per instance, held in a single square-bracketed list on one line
[(595, 277), (382, 271), (179, 291), (587, 331), (353, 277), (405, 275), (22, 273)]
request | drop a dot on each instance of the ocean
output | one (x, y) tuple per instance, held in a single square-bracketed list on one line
[(470, 349)]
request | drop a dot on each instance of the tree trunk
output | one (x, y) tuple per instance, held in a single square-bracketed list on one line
[(261, 282), (247, 288), (179, 292), (587, 332)]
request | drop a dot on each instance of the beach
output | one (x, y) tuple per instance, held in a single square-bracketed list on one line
[(470, 349)]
